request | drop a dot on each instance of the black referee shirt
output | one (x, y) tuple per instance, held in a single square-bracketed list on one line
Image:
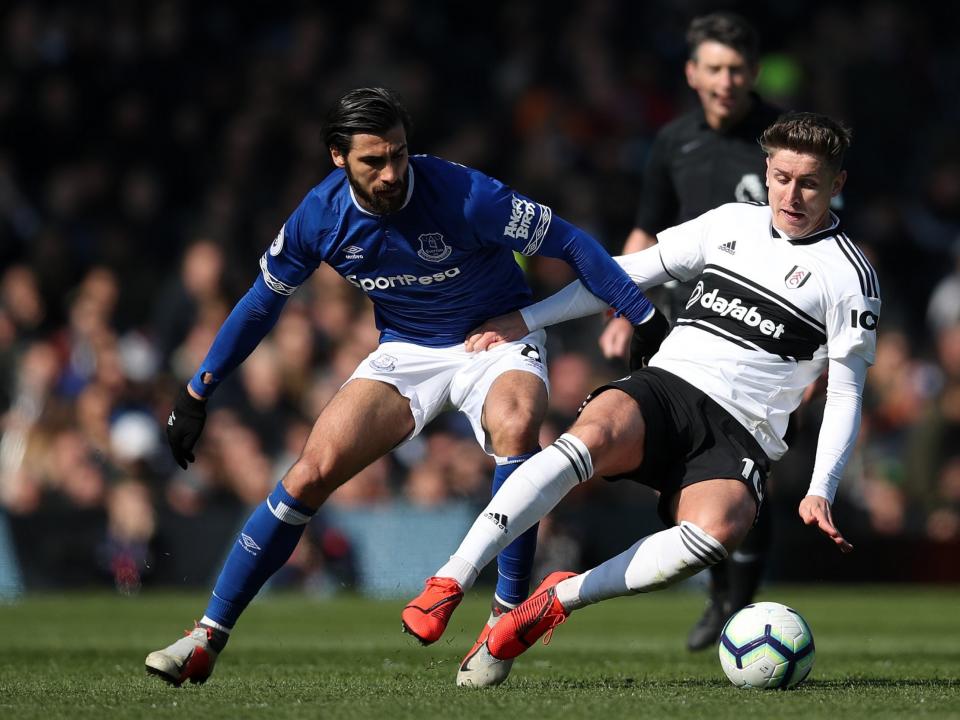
[(694, 168)]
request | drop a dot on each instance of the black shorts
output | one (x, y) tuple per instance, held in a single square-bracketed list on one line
[(689, 439)]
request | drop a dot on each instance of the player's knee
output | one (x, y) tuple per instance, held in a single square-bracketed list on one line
[(517, 431), (596, 434), (311, 479), (729, 528), (613, 432)]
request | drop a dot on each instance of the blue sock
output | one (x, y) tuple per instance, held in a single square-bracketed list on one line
[(515, 562), (264, 545)]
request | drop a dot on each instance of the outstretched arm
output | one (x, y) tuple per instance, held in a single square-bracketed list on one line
[(838, 436), (599, 273), (644, 268), (251, 319), (240, 333)]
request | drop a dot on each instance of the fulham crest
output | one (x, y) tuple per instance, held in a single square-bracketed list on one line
[(796, 277)]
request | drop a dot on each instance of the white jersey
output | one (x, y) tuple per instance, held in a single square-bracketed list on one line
[(766, 313)]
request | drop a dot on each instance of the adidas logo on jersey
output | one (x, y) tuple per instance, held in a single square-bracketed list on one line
[(498, 519), (729, 247)]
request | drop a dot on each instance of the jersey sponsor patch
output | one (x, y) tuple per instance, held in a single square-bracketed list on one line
[(864, 319), (521, 215), (732, 307), (520, 225), (385, 282)]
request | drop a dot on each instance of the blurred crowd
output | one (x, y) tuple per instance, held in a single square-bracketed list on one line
[(149, 153)]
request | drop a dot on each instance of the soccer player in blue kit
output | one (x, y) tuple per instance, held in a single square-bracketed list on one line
[(431, 242)]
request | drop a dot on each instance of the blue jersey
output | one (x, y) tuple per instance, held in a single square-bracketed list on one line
[(434, 269)]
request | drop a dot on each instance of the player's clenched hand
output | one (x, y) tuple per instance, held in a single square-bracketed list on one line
[(185, 425), (615, 338), (815, 510), (646, 340), (505, 328)]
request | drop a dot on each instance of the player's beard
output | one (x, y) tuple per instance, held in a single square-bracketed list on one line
[(375, 201)]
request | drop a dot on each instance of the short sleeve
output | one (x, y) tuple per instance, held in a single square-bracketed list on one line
[(681, 247), (852, 327), (295, 252)]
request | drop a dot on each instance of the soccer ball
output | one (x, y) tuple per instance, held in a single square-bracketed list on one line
[(766, 645)]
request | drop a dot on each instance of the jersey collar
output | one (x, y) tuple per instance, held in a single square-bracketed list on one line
[(406, 201), (833, 229)]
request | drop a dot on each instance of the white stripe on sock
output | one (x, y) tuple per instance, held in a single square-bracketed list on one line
[(215, 625), (287, 514), (653, 563)]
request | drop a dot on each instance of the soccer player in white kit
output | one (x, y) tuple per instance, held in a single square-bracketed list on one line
[(780, 294)]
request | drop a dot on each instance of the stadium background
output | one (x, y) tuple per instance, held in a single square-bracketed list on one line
[(149, 152)]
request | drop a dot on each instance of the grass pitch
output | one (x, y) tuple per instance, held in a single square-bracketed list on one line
[(882, 652)]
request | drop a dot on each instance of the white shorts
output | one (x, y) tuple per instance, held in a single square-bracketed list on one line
[(433, 377)]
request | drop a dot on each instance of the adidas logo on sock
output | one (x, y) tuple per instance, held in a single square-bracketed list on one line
[(499, 520), (729, 247)]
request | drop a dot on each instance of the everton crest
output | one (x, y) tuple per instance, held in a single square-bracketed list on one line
[(433, 248), (384, 363), (796, 277)]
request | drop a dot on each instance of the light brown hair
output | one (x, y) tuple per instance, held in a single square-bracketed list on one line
[(807, 132)]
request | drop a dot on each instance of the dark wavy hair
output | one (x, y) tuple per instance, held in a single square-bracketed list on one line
[(808, 132), (363, 110), (728, 29)]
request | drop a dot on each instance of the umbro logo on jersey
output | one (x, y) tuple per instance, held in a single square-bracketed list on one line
[(796, 277), (354, 253), (498, 519), (729, 247)]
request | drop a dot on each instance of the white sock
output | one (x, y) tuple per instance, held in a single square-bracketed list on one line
[(460, 570), (531, 492), (653, 563), (215, 625)]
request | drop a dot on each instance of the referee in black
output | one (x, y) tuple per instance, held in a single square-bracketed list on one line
[(705, 158)]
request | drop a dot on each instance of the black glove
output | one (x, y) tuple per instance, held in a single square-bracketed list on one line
[(646, 340), (185, 425)]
